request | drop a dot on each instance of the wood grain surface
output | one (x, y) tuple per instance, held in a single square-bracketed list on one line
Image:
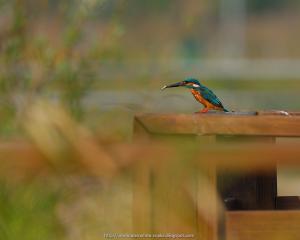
[(262, 124)]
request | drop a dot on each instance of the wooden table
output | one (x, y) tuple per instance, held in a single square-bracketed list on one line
[(248, 192)]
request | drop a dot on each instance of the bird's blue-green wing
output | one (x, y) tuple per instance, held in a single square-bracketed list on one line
[(210, 96)]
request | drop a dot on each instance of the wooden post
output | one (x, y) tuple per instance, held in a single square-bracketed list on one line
[(142, 186), (210, 211), (142, 198), (211, 224)]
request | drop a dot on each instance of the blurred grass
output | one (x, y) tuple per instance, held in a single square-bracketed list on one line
[(29, 211)]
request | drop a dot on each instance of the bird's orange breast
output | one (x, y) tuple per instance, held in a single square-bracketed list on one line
[(198, 97), (202, 100)]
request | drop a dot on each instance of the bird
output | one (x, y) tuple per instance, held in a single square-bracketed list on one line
[(201, 93)]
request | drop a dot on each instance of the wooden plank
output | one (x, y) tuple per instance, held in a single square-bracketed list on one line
[(255, 157), (22, 156), (262, 225), (222, 124)]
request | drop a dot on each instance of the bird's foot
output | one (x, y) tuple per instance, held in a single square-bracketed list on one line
[(204, 110)]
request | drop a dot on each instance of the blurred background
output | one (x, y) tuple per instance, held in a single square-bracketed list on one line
[(112, 56), (102, 61)]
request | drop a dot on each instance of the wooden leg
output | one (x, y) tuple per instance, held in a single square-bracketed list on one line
[(209, 207), (173, 198), (211, 222), (142, 205)]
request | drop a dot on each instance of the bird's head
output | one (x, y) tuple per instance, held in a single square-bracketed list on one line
[(188, 83)]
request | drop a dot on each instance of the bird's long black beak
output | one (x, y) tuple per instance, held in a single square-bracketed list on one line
[(179, 84)]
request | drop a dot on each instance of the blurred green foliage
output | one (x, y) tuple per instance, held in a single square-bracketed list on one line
[(28, 212), (31, 67)]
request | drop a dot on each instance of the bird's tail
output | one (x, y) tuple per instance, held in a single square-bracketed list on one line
[(225, 110)]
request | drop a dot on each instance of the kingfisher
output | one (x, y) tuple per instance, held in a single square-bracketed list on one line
[(201, 93)]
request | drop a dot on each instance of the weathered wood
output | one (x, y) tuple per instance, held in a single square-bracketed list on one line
[(255, 191), (210, 208), (262, 225), (173, 198), (22, 156), (222, 124), (256, 157), (139, 130), (142, 198)]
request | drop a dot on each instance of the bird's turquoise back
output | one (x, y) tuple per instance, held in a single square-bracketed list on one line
[(208, 95)]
